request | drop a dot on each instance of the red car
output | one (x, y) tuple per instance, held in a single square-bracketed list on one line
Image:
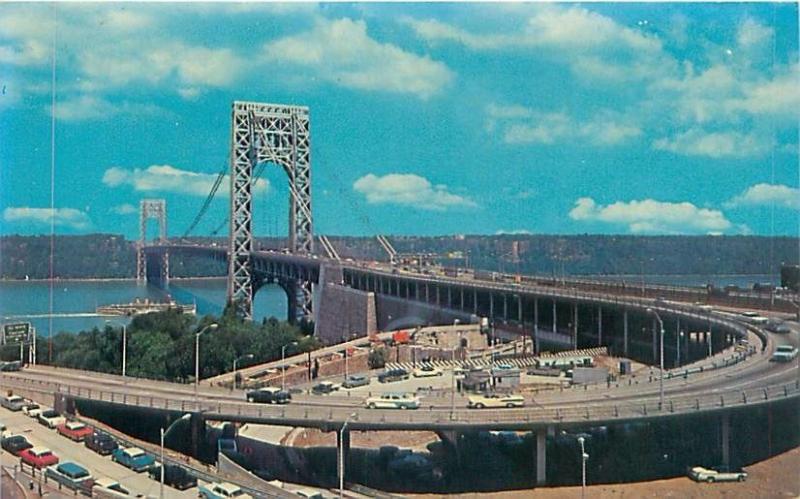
[(38, 457), (74, 430)]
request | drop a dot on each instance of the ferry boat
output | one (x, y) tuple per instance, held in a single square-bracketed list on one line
[(138, 307)]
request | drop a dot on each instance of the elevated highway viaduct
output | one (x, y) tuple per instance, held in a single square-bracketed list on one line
[(726, 384)]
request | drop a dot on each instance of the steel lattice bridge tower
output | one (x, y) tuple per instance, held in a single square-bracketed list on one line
[(157, 209), (277, 134)]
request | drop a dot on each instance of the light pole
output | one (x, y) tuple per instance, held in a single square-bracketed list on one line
[(584, 458), (661, 359), (163, 435), (679, 340), (197, 355), (341, 454), (236, 361), (283, 363), (124, 344), (710, 350)]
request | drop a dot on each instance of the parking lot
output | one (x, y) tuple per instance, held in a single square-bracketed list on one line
[(67, 450)]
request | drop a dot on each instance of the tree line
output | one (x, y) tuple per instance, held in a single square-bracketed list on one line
[(161, 345)]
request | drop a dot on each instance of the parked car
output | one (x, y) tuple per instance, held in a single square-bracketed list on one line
[(13, 402), (269, 395), (393, 375), (3, 430), (393, 401), (174, 476), (32, 409), (74, 430), (222, 490), (784, 353), (12, 365), (107, 488), (100, 442), (324, 388), (15, 444), (51, 418), (133, 458), (495, 400), (700, 474), (355, 380), (70, 475), (38, 457), (427, 371)]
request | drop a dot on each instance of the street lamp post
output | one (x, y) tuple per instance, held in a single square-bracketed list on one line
[(197, 355), (661, 359), (124, 344), (283, 363), (584, 458), (341, 454), (163, 435), (236, 361)]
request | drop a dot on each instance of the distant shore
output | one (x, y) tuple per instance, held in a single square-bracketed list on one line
[(110, 279)]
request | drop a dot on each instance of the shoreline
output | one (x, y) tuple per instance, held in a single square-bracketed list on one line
[(110, 279)]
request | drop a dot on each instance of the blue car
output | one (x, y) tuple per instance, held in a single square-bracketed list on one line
[(133, 458), (71, 475)]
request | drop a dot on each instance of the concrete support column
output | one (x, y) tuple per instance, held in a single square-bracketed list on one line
[(438, 298), (555, 317), (599, 326), (519, 311), (541, 456), (575, 325), (725, 437), (491, 305), (197, 427), (475, 301), (505, 306), (416, 291), (427, 293), (625, 332), (461, 292), (449, 297)]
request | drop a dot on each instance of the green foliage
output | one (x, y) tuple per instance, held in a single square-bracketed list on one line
[(161, 345)]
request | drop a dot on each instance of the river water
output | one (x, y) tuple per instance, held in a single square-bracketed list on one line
[(20, 298)]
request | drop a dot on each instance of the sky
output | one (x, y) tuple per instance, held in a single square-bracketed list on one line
[(426, 119)]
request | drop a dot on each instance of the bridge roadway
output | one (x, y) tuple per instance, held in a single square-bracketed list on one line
[(750, 382)]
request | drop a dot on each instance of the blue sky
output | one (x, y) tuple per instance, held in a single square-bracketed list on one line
[(426, 118)]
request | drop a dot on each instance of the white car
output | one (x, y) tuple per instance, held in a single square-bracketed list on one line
[(495, 400), (784, 353), (33, 410), (700, 474), (427, 371), (393, 401), (51, 418), (106, 488), (222, 490)]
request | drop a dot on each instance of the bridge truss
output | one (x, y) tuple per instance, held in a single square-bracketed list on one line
[(151, 209), (277, 134)]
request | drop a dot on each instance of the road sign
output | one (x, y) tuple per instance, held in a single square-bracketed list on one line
[(16, 333)]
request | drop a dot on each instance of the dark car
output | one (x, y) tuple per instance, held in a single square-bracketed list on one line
[(100, 442), (393, 375), (269, 395), (174, 476), (15, 444), (324, 388), (355, 380)]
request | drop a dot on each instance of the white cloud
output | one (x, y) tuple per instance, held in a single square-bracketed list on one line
[(727, 144), (342, 52), (166, 178), (521, 125), (650, 216), (513, 232), (123, 209), (409, 190), (87, 107), (61, 217), (768, 194)]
